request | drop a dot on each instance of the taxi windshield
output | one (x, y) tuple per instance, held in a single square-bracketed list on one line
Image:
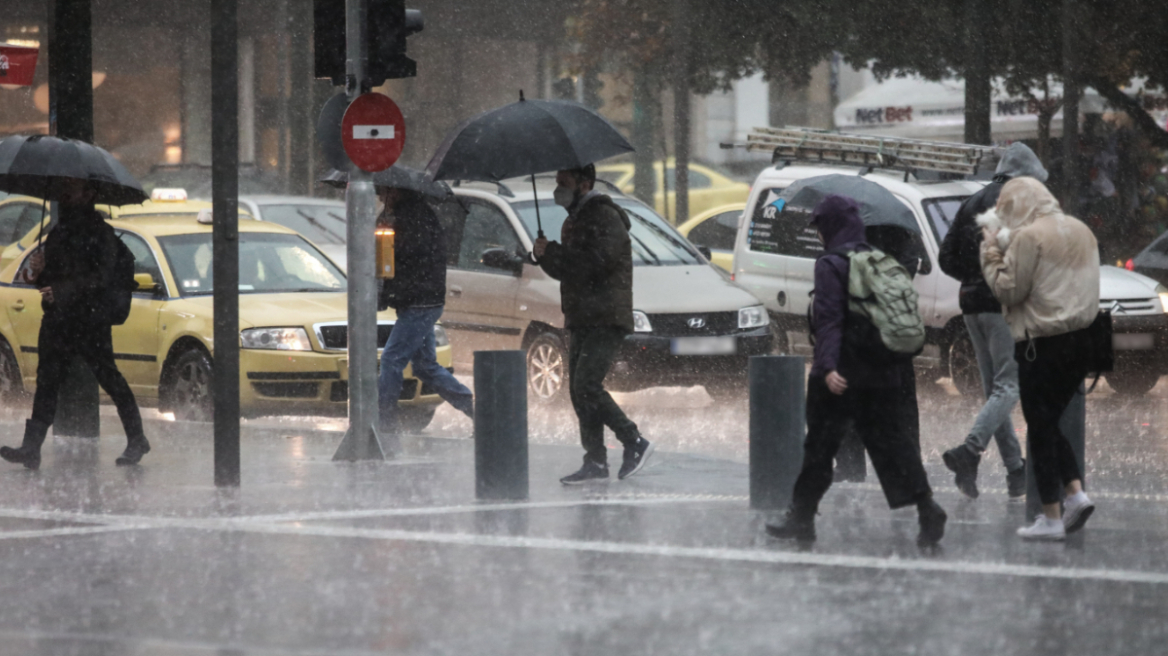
[(269, 263)]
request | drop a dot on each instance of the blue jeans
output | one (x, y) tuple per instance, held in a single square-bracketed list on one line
[(412, 342), (994, 347)]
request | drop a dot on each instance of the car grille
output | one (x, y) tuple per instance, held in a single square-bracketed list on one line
[(286, 390), (678, 325), (336, 336), (1131, 306)]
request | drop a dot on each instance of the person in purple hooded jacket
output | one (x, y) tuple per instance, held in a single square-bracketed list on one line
[(846, 387)]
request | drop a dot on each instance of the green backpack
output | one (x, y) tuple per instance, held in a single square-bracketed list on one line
[(881, 291)]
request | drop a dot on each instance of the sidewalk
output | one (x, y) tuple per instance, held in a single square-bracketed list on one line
[(309, 556)]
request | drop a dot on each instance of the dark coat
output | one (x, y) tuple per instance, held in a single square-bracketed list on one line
[(594, 264), (82, 256), (419, 258)]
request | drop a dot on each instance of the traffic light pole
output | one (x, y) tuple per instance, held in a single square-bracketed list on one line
[(362, 441)]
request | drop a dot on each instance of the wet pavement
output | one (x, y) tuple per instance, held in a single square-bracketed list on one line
[(314, 557)]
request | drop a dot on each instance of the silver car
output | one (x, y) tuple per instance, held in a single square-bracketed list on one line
[(321, 220)]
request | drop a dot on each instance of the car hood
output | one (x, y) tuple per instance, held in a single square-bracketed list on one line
[(678, 289), (293, 309), (1116, 283)]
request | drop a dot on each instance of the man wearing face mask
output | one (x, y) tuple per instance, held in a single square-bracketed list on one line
[(594, 264)]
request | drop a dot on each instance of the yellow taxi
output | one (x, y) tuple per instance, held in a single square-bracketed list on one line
[(715, 229), (292, 311), (707, 187)]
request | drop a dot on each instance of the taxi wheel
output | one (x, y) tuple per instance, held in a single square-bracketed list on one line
[(10, 384), (190, 387), (547, 369), (415, 419)]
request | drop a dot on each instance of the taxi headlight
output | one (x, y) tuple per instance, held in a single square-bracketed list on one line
[(754, 316), (1162, 292), (641, 322), (276, 339), (440, 338)]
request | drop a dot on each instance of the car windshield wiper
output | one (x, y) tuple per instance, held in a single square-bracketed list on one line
[(648, 250), (311, 219)]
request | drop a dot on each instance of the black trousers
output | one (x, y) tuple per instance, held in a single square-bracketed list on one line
[(591, 351), (850, 457), (876, 416), (57, 345), (1050, 371)]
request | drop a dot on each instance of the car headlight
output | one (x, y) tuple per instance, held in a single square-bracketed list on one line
[(276, 339), (754, 316), (641, 322), (440, 338), (1162, 292)]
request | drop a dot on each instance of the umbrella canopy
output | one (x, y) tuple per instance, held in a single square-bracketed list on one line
[(530, 136), (40, 165), (397, 176), (878, 207)]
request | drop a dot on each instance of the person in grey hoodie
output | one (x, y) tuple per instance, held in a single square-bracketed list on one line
[(992, 343)]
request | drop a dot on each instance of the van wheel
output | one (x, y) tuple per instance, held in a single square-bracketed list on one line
[(11, 385), (963, 368), (189, 387), (1133, 383), (413, 419), (547, 369)]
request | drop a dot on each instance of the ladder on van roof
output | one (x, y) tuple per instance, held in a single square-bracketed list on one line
[(829, 147)]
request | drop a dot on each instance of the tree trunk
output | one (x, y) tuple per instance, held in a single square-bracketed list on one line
[(978, 87), (681, 110), (1071, 93), (644, 116)]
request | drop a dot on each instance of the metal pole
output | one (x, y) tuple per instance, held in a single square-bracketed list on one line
[(681, 111), (1073, 425), (225, 236), (362, 441), (777, 428), (500, 421), (1071, 91)]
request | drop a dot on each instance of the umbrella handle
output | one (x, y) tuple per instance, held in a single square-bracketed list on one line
[(535, 197)]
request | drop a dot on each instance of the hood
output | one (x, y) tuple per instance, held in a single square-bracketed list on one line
[(1019, 161), (1023, 200), (1121, 284), (838, 220), (682, 289), (292, 309)]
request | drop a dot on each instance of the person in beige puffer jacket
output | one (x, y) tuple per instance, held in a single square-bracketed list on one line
[(1043, 267)]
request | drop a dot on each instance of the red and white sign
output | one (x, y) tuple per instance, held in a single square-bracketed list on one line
[(17, 64), (373, 132)]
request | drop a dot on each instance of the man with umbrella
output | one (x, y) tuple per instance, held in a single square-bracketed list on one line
[(594, 265), (81, 270), (417, 292)]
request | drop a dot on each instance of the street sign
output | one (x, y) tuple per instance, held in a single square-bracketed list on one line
[(373, 132)]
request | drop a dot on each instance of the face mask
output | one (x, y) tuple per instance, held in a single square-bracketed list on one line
[(563, 196)]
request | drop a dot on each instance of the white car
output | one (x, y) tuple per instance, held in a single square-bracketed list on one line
[(774, 258), (320, 220)]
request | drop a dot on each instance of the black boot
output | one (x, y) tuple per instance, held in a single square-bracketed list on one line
[(136, 447), (932, 519), (963, 463), (29, 453), (798, 526)]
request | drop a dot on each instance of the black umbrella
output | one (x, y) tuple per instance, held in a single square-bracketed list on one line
[(525, 138), (878, 206), (397, 176), (40, 165)]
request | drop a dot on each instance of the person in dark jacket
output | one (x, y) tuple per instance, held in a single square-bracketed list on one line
[(417, 292), (992, 344), (847, 388), (594, 264), (77, 268)]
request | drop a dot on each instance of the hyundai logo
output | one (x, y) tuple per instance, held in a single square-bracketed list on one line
[(696, 322)]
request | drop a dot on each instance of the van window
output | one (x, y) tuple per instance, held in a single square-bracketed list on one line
[(942, 212), (780, 229)]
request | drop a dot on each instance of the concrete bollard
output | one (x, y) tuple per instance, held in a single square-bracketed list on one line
[(777, 428), (1073, 424), (500, 424)]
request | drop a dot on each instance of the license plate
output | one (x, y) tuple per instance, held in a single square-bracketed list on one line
[(1133, 341), (704, 346)]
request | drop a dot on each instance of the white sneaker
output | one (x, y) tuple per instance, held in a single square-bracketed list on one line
[(1077, 510), (1044, 528)]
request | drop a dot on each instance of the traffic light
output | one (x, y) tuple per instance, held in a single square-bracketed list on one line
[(387, 25)]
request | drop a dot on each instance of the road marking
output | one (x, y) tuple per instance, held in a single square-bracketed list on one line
[(67, 531)]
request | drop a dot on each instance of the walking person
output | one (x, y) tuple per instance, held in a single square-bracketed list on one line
[(417, 292), (1043, 266), (86, 276), (993, 346), (594, 265), (849, 386)]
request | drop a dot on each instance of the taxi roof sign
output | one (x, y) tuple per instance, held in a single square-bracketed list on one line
[(168, 195)]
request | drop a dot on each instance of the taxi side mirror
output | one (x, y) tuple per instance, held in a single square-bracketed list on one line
[(145, 282), (497, 258)]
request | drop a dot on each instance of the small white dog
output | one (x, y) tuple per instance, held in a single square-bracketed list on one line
[(990, 220)]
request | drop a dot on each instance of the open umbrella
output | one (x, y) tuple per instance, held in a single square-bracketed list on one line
[(397, 176), (40, 165), (525, 138), (878, 207)]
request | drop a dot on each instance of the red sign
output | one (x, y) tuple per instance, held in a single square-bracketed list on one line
[(17, 64), (373, 132)]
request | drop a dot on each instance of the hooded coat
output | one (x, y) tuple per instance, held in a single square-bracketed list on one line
[(83, 260), (960, 255), (1043, 266)]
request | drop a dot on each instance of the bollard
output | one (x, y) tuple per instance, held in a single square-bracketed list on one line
[(1073, 424), (500, 424), (777, 428)]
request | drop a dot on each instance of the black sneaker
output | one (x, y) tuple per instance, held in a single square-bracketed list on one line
[(794, 527), (133, 453), (591, 471), (963, 462), (635, 458), (932, 519), (1016, 483)]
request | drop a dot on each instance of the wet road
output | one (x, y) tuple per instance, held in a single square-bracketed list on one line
[(313, 557)]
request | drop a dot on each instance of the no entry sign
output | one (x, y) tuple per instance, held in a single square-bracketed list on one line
[(373, 132), (17, 64)]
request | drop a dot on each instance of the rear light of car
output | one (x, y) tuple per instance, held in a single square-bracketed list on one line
[(1130, 265)]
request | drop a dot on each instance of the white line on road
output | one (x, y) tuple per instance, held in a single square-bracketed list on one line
[(67, 531)]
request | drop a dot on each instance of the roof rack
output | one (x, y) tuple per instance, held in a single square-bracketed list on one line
[(909, 155)]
